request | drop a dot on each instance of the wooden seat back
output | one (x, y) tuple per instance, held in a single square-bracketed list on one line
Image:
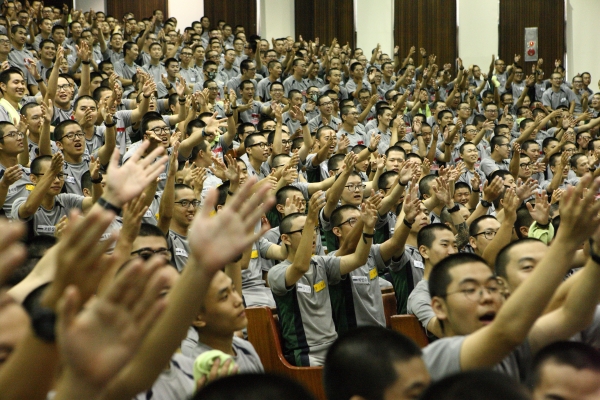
[(409, 325)]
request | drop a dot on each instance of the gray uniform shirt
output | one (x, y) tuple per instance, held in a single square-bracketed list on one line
[(419, 303), (19, 189), (180, 249), (177, 382), (43, 220)]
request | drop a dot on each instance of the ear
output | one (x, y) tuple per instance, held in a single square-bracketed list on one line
[(199, 322), (440, 308), (86, 192), (524, 231), (280, 208), (424, 251), (337, 231), (33, 178), (285, 239), (472, 242)]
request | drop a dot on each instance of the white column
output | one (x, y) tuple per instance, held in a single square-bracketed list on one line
[(186, 12), (374, 24), (582, 49), (478, 31), (277, 19)]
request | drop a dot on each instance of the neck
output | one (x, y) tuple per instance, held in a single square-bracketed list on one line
[(71, 159), (129, 60), (33, 137), (178, 228), (428, 268), (222, 343), (46, 62), (272, 78), (470, 166), (8, 160), (88, 130), (13, 102), (496, 156), (255, 163), (185, 65), (298, 77), (48, 201), (3, 57), (382, 127), (411, 240), (228, 65), (18, 46), (154, 61), (348, 128)]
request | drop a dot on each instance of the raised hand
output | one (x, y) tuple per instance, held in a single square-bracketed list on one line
[(579, 216), (541, 212), (493, 189), (525, 190), (11, 175), (368, 215), (412, 203)]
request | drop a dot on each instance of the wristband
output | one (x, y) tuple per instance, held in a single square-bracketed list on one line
[(409, 224), (543, 226), (476, 191), (367, 236), (486, 204), (99, 180), (110, 125), (39, 80), (448, 144), (304, 124), (234, 108), (371, 151), (453, 209), (85, 62), (146, 96), (182, 101), (107, 206), (595, 257), (402, 184)]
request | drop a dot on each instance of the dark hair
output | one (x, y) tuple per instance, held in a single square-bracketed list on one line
[(286, 192), (249, 140), (523, 219), (384, 179), (149, 230), (60, 129), (36, 164), (149, 117), (440, 279), (336, 215), (503, 257), (573, 354), (5, 75), (425, 184), (254, 387), (286, 223), (475, 224), (476, 385), (366, 370), (426, 235)]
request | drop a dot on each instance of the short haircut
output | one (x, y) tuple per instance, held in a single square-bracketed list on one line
[(384, 179), (462, 147), (149, 117), (474, 227), (5, 75), (287, 192), (250, 139), (336, 215), (425, 184), (462, 185), (440, 278), (59, 131), (426, 235), (497, 140), (476, 385), (503, 257), (368, 372), (286, 223), (524, 219), (335, 161), (395, 148)]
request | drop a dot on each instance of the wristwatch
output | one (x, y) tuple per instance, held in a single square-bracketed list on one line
[(486, 204), (453, 209), (99, 180)]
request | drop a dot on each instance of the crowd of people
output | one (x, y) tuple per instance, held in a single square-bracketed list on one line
[(156, 179)]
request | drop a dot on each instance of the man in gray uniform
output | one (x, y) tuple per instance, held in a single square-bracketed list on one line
[(300, 284)]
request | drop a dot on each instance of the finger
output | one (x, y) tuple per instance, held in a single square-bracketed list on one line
[(68, 306)]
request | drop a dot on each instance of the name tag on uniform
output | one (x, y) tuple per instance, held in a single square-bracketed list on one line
[(419, 264), (148, 214), (373, 274), (319, 286), (29, 187), (45, 229), (162, 177), (360, 280), (192, 79), (302, 288), (254, 254), (13, 189), (69, 179), (181, 252), (105, 236)]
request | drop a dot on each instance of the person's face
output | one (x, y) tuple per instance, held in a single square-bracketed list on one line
[(199, 54), (349, 219), (353, 191), (205, 22), (507, 99), (230, 56), (470, 133), (525, 167), (86, 110), (500, 66), (324, 140), (73, 147), (446, 119), (15, 88), (503, 148), (464, 315), (34, 119), (14, 325), (533, 151), (276, 70), (64, 92), (583, 166), (23, 18), (76, 29), (87, 35), (296, 99), (13, 140), (46, 26), (427, 135), (164, 134), (238, 45), (488, 228), (556, 79), (276, 92), (335, 77), (326, 105), (577, 83), (183, 216), (392, 162), (117, 41), (248, 92), (20, 36), (443, 246), (413, 378), (587, 79), (133, 52), (386, 118), (173, 69), (153, 243), (95, 83), (464, 111), (293, 240), (352, 117), (359, 72), (523, 258), (491, 113), (216, 46), (462, 195), (565, 382), (186, 56), (259, 150), (243, 171)]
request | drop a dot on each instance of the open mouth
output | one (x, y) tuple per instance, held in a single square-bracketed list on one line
[(488, 317)]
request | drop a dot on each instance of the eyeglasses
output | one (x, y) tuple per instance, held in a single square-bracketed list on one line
[(60, 177), (476, 293), (326, 104), (187, 203), (4, 41), (350, 221), (14, 134), (503, 144), (147, 252), (526, 165), (213, 88), (262, 145), (64, 87), (355, 188), (72, 136), (489, 235), (186, 54), (164, 131), (316, 231), (491, 111), (286, 142)]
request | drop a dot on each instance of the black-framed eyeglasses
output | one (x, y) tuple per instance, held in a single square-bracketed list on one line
[(147, 252), (489, 235), (355, 188), (187, 203), (161, 131), (60, 177), (72, 136), (316, 230), (262, 145), (350, 221), (14, 134), (526, 165)]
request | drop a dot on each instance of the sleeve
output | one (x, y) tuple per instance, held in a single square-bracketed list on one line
[(546, 100), (419, 304), (303, 187), (276, 278), (325, 225), (442, 357), (14, 212), (399, 265), (332, 267), (376, 253), (263, 246), (71, 200), (125, 117)]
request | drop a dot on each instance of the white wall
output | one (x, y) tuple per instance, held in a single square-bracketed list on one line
[(185, 11), (85, 5), (277, 19), (582, 49), (478, 31), (375, 24)]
